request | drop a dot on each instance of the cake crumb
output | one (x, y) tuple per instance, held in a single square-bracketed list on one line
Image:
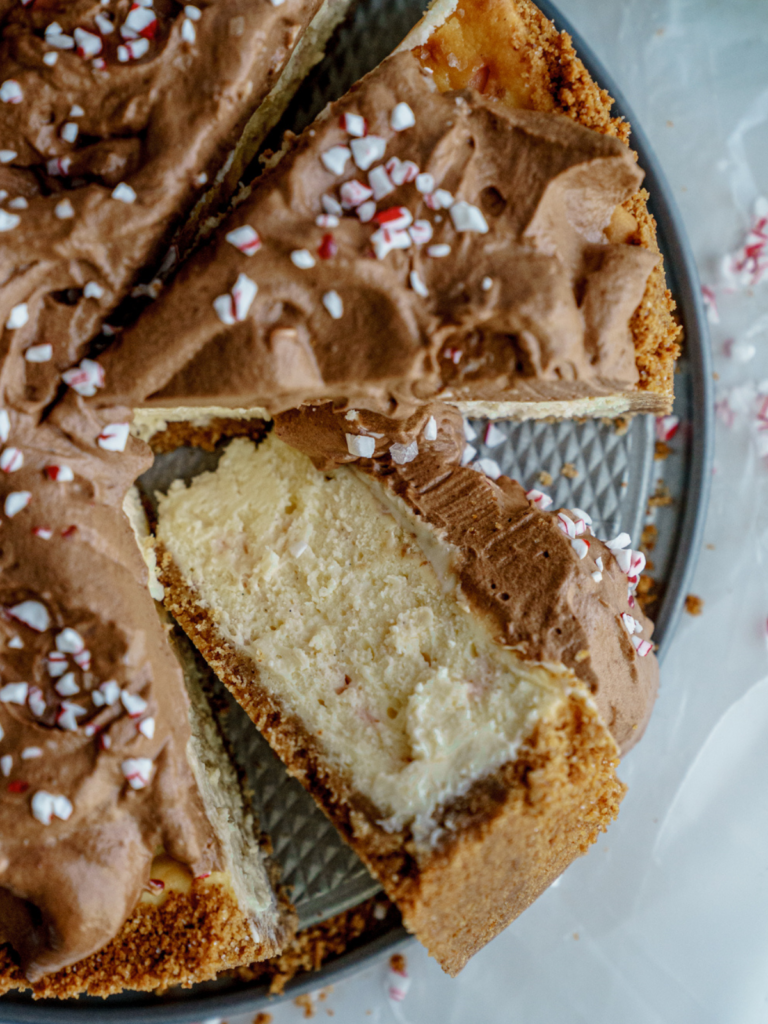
[(262, 1018), (621, 425), (576, 936), (694, 605), (398, 963), (649, 536), (545, 478), (569, 470), (305, 1003), (661, 496), (661, 451), (710, 547)]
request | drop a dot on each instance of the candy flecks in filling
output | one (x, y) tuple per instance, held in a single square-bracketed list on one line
[(410, 241)]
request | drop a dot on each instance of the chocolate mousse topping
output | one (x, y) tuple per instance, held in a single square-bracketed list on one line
[(410, 243), (114, 119), (548, 587)]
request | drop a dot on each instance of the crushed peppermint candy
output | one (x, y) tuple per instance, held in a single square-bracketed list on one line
[(32, 614), (57, 664), (9, 221), (395, 218), (360, 446), (85, 378), (58, 166), (188, 33), (643, 647), (333, 303), (486, 284), (366, 151), (539, 499), (39, 353), (123, 193), (108, 693), (566, 525), (418, 284), (88, 43), (61, 474), (133, 703), (401, 171), (468, 454), (437, 251), (69, 641), (404, 453), (18, 316), (233, 308), (10, 91), (402, 117), (597, 576), (45, 806), (623, 540), (469, 431), (666, 427), (327, 248), (114, 437), (36, 701), (327, 220), (430, 429), (244, 238), (83, 660), (490, 467), (6, 765), (335, 159), (43, 532), (134, 49), (64, 210), (353, 193), (137, 771), (93, 290), (69, 131), (420, 232), (16, 643), (354, 124), (192, 12), (103, 24), (493, 437), (11, 460), (147, 728), (440, 199), (425, 183), (580, 546), (384, 241), (50, 59), (16, 502), (67, 685), (68, 715), (6, 155), (331, 205), (303, 259), (380, 182), (14, 693), (366, 211), (467, 217)]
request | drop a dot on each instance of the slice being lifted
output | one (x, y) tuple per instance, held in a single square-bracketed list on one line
[(418, 243), (436, 660)]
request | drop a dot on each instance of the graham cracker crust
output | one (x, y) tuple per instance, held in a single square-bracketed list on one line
[(190, 937), (182, 433), (503, 843)]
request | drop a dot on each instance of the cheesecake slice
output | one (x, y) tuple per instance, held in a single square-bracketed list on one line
[(448, 669)]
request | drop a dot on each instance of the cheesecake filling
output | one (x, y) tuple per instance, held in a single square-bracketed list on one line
[(312, 578)]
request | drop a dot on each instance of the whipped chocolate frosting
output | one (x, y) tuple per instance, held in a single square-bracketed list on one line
[(478, 260), (514, 563), (103, 152)]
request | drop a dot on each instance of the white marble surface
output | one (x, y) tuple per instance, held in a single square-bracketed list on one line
[(666, 919)]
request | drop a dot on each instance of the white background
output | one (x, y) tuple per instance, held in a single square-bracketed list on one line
[(666, 919)]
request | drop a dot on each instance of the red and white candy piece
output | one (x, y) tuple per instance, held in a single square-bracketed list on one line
[(331, 205), (39, 353), (468, 454), (384, 241), (68, 715), (420, 232), (56, 664), (360, 446), (380, 182), (493, 437), (366, 151), (425, 183), (401, 171), (303, 259), (710, 304), (36, 701), (61, 474), (404, 453), (67, 685), (622, 540), (133, 704), (430, 429), (107, 694), (333, 304), (83, 660), (69, 641), (467, 217), (354, 124), (11, 460), (233, 308), (643, 647), (18, 316), (10, 91), (396, 218), (32, 613), (366, 211), (566, 525), (137, 771), (147, 727), (335, 159), (85, 378), (16, 502), (353, 193), (58, 166), (88, 43), (14, 693), (440, 199), (398, 983), (244, 238), (134, 49), (539, 499), (666, 427), (580, 546), (114, 437), (45, 806), (327, 220), (327, 248)]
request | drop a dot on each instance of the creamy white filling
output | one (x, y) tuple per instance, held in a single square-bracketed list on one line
[(337, 604)]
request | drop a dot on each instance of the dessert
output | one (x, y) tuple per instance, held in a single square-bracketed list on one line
[(461, 247), (448, 669)]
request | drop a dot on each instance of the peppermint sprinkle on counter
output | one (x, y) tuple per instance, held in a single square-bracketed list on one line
[(418, 285), (666, 427), (380, 182), (303, 259), (365, 152), (430, 429), (61, 474), (18, 316), (45, 806), (93, 290), (437, 251), (244, 238), (114, 437), (334, 305), (10, 91), (360, 446), (32, 614), (469, 431), (123, 193), (539, 499), (353, 124), (39, 353), (466, 217), (9, 221), (490, 467), (11, 460), (402, 117), (404, 453), (64, 210), (85, 378), (137, 772), (335, 159), (14, 693), (16, 501)]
